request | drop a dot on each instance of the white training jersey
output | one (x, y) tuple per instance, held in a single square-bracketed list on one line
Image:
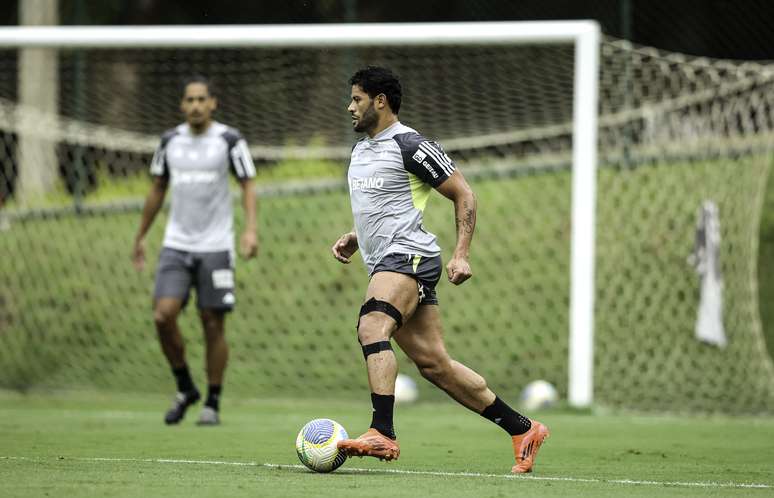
[(390, 179), (197, 168)]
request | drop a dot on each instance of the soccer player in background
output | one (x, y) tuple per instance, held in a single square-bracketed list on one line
[(194, 160), (391, 174)]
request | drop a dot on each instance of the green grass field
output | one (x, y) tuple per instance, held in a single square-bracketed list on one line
[(93, 444)]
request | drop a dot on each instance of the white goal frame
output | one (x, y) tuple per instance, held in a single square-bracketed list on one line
[(585, 35)]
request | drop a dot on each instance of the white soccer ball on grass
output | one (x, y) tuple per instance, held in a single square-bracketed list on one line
[(316, 445), (539, 394)]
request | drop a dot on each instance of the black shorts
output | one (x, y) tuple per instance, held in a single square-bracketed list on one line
[(426, 270), (211, 273)]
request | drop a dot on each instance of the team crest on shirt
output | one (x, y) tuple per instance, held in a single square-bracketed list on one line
[(366, 184)]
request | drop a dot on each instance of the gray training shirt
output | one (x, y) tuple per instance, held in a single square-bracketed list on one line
[(197, 167), (390, 179)]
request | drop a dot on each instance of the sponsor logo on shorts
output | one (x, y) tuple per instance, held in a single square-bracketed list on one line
[(229, 298), (223, 279)]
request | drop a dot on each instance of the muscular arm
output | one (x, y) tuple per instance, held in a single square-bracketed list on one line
[(153, 204), (249, 241), (459, 192)]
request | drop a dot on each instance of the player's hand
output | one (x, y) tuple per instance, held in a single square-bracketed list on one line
[(138, 255), (248, 245), (458, 270), (345, 247)]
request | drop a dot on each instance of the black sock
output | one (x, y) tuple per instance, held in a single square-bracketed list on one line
[(213, 396), (503, 415), (382, 416), (183, 376)]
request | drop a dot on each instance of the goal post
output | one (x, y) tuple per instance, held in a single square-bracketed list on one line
[(580, 390)]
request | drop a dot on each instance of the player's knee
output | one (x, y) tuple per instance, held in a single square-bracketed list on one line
[(373, 328), (377, 320), (164, 319), (212, 321)]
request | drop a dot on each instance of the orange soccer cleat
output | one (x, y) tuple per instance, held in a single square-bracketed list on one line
[(526, 446), (372, 443)]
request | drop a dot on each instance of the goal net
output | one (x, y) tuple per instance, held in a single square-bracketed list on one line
[(675, 133)]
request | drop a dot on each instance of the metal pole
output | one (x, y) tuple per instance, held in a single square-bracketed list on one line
[(79, 67), (38, 89)]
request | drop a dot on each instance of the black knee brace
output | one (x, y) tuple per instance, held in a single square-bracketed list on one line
[(386, 308), (376, 347), (382, 306)]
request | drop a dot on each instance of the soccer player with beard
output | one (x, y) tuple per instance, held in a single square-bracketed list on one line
[(194, 161), (391, 175)]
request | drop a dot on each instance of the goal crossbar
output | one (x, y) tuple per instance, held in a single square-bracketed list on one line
[(298, 35)]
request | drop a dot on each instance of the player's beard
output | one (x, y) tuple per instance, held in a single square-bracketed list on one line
[(368, 120), (199, 122)]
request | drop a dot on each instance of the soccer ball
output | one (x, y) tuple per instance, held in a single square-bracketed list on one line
[(405, 389), (316, 445), (539, 394)]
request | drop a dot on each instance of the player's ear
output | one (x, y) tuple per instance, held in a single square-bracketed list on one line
[(213, 103), (380, 101)]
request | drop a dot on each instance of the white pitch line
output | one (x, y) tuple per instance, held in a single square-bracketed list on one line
[(698, 484), (543, 478)]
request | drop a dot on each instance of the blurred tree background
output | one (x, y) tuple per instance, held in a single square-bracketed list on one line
[(713, 28)]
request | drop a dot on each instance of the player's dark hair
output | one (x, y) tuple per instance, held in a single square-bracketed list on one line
[(375, 80), (198, 78)]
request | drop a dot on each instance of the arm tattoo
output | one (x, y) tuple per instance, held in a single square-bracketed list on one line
[(468, 220)]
